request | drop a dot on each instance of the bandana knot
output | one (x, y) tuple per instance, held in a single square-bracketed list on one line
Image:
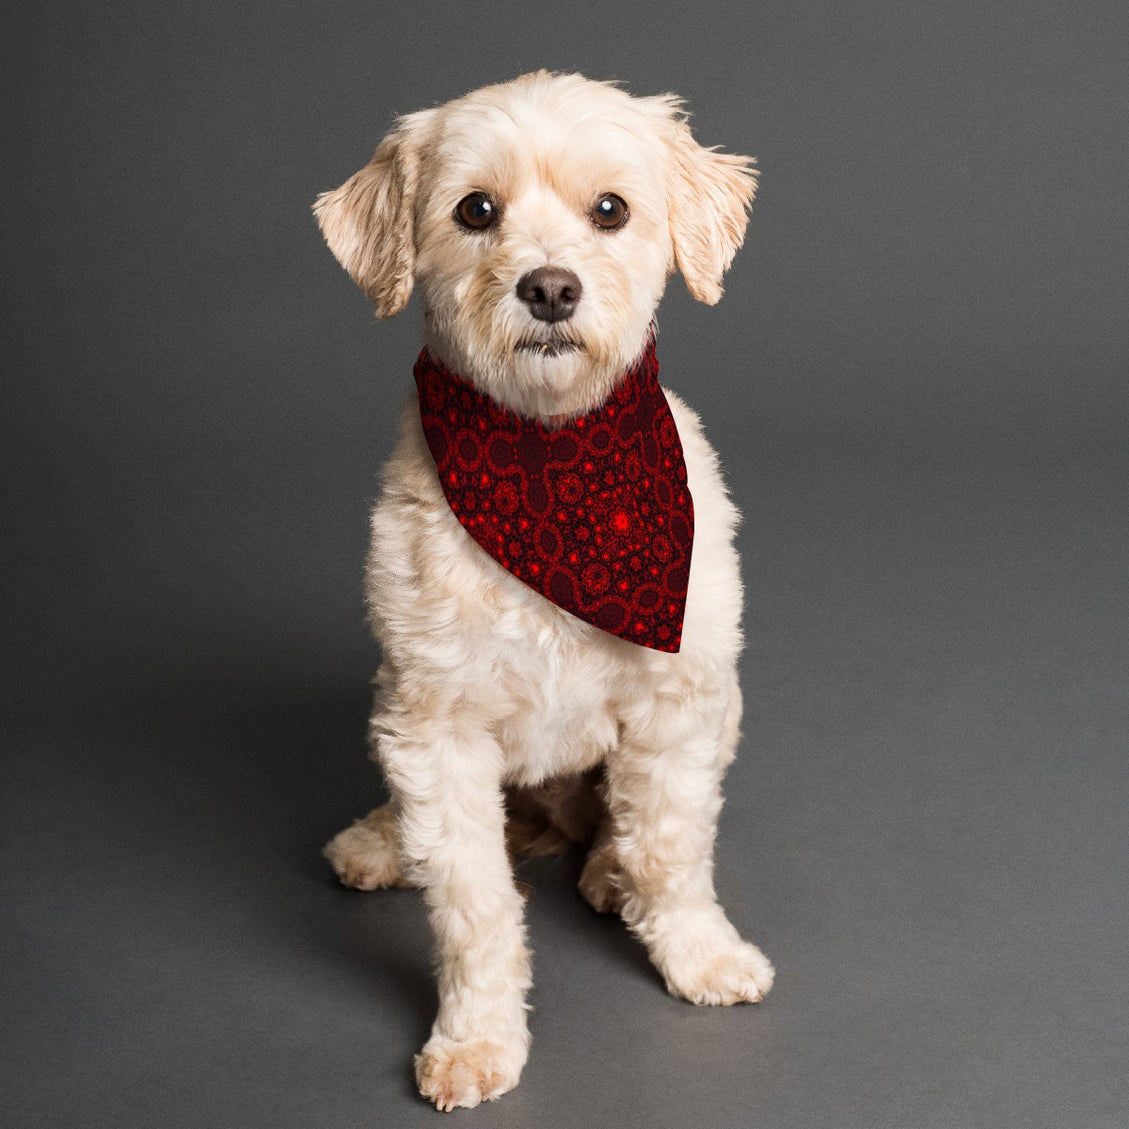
[(595, 515)]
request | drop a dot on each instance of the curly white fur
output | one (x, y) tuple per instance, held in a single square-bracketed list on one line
[(485, 686)]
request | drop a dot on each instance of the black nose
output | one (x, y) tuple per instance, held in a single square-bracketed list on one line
[(551, 293)]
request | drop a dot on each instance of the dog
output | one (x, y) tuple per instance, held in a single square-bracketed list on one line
[(553, 669)]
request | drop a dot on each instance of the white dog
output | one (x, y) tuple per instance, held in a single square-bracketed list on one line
[(544, 657)]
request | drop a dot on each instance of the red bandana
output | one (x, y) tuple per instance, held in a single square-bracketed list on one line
[(596, 516)]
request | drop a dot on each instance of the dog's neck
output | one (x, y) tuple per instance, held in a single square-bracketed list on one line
[(594, 514)]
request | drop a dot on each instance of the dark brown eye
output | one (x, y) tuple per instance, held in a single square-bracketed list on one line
[(609, 212), (476, 212)]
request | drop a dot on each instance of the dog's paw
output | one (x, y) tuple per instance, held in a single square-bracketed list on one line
[(599, 881), (733, 972), (461, 1075), (366, 856)]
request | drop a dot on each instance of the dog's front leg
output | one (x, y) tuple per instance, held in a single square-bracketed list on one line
[(446, 775), (664, 796)]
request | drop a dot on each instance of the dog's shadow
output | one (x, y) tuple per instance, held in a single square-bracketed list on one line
[(562, 924), (282, 766), (278, 760)]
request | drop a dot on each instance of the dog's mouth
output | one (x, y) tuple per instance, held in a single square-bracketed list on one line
[(554, 347)]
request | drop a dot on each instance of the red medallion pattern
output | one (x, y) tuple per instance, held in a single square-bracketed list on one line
[(596, 515)]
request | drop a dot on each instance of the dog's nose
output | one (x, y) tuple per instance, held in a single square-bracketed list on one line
[(551, 293)]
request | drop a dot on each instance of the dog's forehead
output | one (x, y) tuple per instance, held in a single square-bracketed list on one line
[(572, 135)]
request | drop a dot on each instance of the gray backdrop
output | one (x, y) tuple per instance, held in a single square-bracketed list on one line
[(917, 382)]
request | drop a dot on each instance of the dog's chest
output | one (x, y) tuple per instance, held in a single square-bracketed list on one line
[(563, 724), (464, 630)]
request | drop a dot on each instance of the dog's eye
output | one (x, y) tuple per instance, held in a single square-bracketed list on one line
[(609, 212), (476, 212)]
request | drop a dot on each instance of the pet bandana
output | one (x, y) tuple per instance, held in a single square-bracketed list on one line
[(596, 515)]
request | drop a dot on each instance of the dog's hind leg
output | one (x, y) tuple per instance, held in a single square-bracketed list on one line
[(366, 856), (601, 884), (664, 794)]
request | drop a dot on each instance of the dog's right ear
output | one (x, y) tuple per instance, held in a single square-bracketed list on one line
[(368, 222), (710, 193)]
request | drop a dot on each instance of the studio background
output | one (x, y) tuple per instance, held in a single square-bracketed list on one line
[(917, 384)]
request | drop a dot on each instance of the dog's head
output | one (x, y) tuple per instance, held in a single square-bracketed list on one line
[(541, 219)]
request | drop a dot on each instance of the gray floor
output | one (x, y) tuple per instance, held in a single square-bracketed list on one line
[(926, 830), (917, 383)]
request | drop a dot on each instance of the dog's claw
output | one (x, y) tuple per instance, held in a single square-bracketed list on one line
[(740, 974), (462, 1075)]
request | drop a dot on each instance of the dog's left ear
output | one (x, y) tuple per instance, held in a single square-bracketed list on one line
[(369, 224), (709, 198)]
